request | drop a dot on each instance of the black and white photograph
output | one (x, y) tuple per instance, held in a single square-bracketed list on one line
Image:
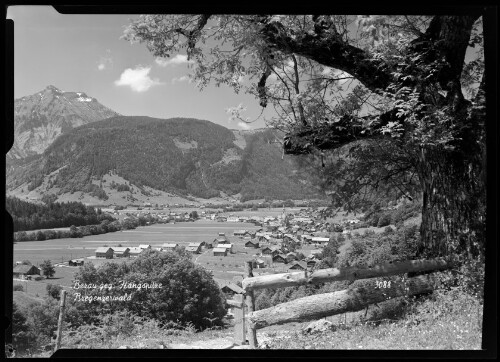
[(275, 183)]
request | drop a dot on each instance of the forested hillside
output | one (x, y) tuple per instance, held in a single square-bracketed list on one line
[(29, 216), (180, 156)]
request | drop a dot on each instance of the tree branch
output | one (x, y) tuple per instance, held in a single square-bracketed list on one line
[(346, 130), (328, 49)]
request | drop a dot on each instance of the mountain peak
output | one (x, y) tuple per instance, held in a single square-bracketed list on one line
[(53, 88)]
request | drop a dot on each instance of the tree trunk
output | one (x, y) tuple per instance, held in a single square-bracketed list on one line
[(453, 213)]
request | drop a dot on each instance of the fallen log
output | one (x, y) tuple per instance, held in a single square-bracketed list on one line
[(328, 304), (274, 281)]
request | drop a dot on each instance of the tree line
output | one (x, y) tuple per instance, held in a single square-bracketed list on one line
[(30, 216)]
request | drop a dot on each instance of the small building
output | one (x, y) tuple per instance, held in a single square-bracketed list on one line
[(240, 232), (252, 244), (290, 238), (222, 234), (25, 271), (169, 246), (121, 252), (194, 248), (220, 240), (135, 251), (320, 240), (266, 250), (291, 256), (76, 262), (145, 246), (264, 238), (220, 251), (104, 252), (229, 247), (231, 289), (259, 263), (299, 265), (279, 258)]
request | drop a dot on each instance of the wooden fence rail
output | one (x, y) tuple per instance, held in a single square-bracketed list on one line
[(284, 280), (247, 320)]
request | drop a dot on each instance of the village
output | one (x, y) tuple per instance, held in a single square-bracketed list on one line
[(280, 243)]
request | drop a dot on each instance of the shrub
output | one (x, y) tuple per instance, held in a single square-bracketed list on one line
[(40, 236), (188, 292), (384, 220), (54, 291), (18, 287)]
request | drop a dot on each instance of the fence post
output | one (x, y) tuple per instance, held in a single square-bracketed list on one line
[(250, 300), (61, 319), (239, 321)]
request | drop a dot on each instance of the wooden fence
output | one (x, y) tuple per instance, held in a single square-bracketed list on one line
[(248, 320)]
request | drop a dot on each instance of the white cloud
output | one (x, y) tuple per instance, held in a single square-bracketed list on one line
[(101, 66), (137, 79), (243, 125), (178, 59), (183, 78)]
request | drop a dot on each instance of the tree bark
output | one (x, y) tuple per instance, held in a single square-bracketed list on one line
[(327, 304)]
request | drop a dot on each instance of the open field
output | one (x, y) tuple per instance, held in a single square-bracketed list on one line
[(58, 250)]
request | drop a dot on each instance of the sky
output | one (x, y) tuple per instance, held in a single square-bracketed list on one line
[(84, 53)]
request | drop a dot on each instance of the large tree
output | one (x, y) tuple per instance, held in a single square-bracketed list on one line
[(338, 81)]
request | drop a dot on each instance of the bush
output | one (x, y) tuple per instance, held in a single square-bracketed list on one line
[(18, 287), (384, 220), (188, 293), (54, 291), (40, 236)]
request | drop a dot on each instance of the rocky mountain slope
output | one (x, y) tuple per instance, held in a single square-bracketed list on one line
[(40, 118)]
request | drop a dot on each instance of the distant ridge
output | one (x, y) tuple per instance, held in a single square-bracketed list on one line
[(179, 156)]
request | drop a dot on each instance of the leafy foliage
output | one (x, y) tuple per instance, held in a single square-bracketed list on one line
[(29, 216), (47, 268), (188, 294)]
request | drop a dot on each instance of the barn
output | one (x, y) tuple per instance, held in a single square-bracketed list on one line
[(169, 246), (104, 252), (194, 248), (75, 262), (121, 252), (229, 247), (220, 251), (25, 271)]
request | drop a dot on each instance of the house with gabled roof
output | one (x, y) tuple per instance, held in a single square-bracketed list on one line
[(266, 250), (229, 247), (169, 246), (240, 232), (121, 252), (23, 271), (194, 248), (135, 251), (299, 265), (279, 258), (220, 251), (252, 244), (104, 252), (145, 246)]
